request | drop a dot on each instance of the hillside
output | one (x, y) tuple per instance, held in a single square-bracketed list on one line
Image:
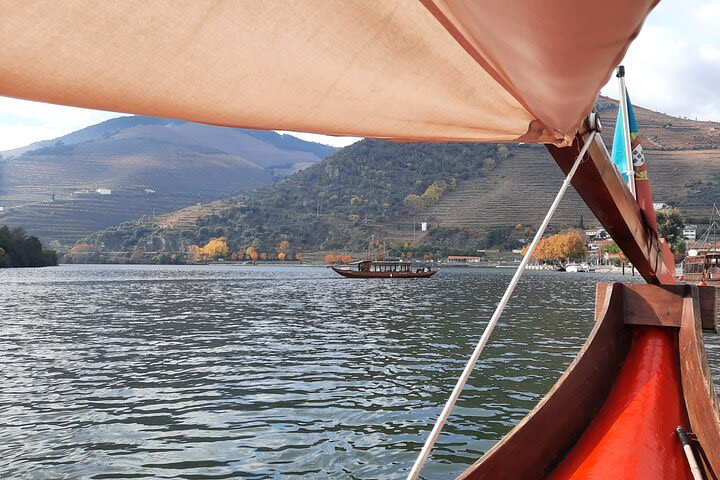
[(151, 166), (336, 204), (683, 160), (472, 195)]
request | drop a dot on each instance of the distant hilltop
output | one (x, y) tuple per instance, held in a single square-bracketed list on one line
[(173, 184), (126, 158), (470, 196)]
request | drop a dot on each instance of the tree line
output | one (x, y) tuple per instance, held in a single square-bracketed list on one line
[(18, 249)]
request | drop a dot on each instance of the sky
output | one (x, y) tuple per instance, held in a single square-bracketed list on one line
[(672, 67)]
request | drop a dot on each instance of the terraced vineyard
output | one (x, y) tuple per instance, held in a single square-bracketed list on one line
[(518, 190), (68, 220), (683, 160)]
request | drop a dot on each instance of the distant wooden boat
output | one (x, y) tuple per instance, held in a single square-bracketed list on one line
[(703, 267), (373, 269)]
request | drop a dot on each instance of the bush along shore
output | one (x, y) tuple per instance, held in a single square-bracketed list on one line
[(18, 249)]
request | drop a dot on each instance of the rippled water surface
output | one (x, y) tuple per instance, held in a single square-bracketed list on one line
[(269, 372)]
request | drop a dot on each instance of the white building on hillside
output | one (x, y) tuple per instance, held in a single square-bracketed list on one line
[(593, 233), (104, 191), (690, 232)]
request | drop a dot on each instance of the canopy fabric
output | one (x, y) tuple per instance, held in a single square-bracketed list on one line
[(436, 70)]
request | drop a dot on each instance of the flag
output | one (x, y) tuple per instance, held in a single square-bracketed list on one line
[(640, 173), (618, 146)]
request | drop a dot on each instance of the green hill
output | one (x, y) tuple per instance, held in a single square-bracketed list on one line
[(336, 204), (472, 195), (150, 165)]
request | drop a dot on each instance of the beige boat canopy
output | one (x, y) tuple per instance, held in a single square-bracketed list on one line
[(431, 70)]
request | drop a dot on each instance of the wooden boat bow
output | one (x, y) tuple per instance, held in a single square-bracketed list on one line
[(612, 414)]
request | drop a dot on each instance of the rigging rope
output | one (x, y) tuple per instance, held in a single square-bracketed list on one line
[(435, 433)]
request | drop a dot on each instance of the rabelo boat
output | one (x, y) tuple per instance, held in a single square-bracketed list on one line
[(435, 71), (703, 268), (384, 269)]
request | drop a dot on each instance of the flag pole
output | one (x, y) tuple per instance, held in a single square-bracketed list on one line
[(626, 129)]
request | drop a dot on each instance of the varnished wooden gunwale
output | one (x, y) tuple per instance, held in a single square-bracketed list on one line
[(701, 400)]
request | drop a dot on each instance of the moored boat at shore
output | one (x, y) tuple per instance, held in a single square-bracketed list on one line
[(702, 267), (384, 269)]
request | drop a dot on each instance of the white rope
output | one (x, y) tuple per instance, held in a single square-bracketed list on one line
[(435, 433)]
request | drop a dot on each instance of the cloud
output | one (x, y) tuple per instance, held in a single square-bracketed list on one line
[(674, 69), (326, 139), (23, 122), (708, 13)]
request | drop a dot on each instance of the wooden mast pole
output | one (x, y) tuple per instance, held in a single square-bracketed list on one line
[(605, 193)]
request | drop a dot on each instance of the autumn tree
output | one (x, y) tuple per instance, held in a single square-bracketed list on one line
[(252, 253), (433, 193), (345, 259), (81, 248), (283, 250), (137, 255), (194, 254), (413, 203), (299, 256), (215, 248), (562, 247), (330, 258)]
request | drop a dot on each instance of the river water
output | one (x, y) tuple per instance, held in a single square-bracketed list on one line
[(209, 372)]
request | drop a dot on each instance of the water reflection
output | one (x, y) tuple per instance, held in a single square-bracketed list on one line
[(218, 372)]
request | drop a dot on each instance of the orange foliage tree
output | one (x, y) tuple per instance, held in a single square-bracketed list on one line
[(343, 259), (81, 248), (562, 247), (283, 250), (252, 253), (194, 255), (215, 248), (330, 258)]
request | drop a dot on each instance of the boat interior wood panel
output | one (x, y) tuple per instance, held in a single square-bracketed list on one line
[(660, 305), (701, 400), (653, 305), (534, 447), (709, 308)]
